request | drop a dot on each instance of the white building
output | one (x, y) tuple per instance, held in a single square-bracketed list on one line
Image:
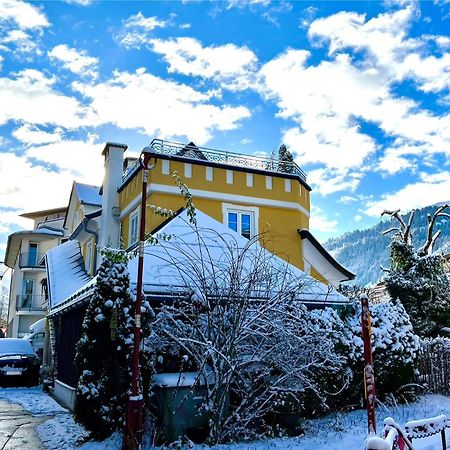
[(24, 255)]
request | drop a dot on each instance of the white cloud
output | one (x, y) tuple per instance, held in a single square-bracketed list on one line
[(76, 61), (24, 14), (231, 65), (34, 189), (332, 101), (21, 40), (31, 135), (138, 29), (30, 97), (327, 182), (320, 222), (82, 159), (429, 190), (80, 2), (357, 218), (158, 107)]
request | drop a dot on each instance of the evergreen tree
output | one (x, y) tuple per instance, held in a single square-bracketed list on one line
[(417, 276), (104, 351), (285, 160)]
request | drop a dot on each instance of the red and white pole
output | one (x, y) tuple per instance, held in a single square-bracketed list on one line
[(369, 376), (135, 407)]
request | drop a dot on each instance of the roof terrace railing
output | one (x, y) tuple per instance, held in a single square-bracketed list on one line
[(192, 152)]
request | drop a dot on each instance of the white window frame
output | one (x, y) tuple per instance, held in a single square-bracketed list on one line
[(188, 170), (253, 211), (249, 180), (165, 167), (268, 183), (88, 262), (209, 173), (287, 185), (230, 177), (135, 215)]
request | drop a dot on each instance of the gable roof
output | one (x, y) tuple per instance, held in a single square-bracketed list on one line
[(88, 193), (209, 254), (65, 272)]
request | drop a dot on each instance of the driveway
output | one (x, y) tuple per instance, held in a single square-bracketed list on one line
[(17, 428)]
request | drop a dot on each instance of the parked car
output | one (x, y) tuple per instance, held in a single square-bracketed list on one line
[(37, 336), (18, 362)]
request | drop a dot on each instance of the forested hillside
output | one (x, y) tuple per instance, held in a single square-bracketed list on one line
[(364, 251)]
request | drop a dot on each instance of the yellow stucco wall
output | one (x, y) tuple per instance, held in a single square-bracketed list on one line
[(277, 225)]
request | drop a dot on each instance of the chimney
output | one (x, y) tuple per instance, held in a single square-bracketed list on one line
[(110, 226)]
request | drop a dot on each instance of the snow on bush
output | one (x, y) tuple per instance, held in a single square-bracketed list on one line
[(394, 344), (104, 349)]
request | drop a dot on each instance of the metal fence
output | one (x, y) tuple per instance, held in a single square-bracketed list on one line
[(434, 366)]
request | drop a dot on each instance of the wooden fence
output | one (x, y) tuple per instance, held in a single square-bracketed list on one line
[(434, 366)]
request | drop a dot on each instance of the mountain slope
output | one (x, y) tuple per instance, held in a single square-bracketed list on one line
[(364, 251)]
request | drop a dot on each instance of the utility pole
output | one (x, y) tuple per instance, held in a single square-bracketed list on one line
[(135, 408), (369, 376)]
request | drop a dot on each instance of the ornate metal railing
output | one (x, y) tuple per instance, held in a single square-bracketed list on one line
[(189, 151)]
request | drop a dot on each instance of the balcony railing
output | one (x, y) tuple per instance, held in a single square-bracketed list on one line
[(28, 302), (31, 260), (218, 156)]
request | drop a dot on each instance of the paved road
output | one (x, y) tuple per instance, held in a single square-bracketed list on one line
[(17, 428)]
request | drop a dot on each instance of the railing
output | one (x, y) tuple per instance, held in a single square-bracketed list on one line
[(218, 156), (396, 437), (28, 302), (31, 260)]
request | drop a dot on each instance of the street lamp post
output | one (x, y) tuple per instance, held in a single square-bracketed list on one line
[(135, 407)]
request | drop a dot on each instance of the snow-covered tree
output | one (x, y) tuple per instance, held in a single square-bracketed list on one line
[(104, 350), (285, 159), (417, 276), (254, 344), (395, 346)]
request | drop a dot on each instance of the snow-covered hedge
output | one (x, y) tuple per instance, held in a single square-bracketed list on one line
[(394, 344)]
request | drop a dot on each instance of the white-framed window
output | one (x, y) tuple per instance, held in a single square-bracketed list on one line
[(268, 182), (134, 227), (287, 185), (209, 173), (188, 170), (229, 177), (88, 262), (249, 180), (242, 219), (165, 167)]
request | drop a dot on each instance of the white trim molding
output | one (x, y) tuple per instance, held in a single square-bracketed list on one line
[(211, 195)]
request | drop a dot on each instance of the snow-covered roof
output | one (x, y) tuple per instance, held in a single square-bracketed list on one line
[(15, 239), (213, 252), (209, 253), (66, 273), (88, 193)]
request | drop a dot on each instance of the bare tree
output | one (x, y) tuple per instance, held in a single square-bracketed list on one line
[(239, 320)]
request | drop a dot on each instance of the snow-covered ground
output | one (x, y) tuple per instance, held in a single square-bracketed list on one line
[(32, 400), (336, 431)]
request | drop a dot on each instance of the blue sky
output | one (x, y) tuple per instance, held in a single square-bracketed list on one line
[(358, 91)]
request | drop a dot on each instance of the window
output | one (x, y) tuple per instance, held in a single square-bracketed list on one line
[(134, 228), (32, 255), (27, 293), (242, 219), (165, 167), (89, 256), (209, 174), (250, 180)]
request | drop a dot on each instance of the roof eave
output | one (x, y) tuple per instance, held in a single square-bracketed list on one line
[(306, 234)]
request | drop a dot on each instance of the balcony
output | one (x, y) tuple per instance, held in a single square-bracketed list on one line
[(28, 302), (31, 261), (192, 152)]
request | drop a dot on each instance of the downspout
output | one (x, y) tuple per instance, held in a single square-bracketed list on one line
[(95, 234)]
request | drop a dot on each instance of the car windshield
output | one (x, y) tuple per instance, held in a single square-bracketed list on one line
[(9, 346)]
